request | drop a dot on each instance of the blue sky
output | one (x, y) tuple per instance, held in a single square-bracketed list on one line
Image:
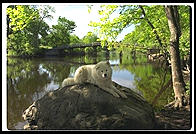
[(79, 14)]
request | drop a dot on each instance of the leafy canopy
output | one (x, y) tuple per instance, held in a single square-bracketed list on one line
[(150, 21)]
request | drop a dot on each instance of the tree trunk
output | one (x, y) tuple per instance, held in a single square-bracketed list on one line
[(177, 78)]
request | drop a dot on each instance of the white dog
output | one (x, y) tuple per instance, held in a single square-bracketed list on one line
[(99, 74)]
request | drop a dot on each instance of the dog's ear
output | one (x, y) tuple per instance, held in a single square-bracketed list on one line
[(97, 67), (107, 62)]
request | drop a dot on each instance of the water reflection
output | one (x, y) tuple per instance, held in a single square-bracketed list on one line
[(29, 79)]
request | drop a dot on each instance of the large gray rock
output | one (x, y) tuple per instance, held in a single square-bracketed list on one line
[(88, 107)]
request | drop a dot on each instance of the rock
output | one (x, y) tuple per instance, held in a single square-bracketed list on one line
[(88, 107)]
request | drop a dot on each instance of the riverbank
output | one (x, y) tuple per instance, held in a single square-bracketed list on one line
[(175, 119)]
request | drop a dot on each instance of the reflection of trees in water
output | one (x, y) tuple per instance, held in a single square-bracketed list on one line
[(149, 78), (58, 72), (152, 82), (23, 79)]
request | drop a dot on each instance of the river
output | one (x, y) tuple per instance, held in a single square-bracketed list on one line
[(30, 79)]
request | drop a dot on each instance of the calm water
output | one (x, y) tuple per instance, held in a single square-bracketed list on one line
[(29, 79)]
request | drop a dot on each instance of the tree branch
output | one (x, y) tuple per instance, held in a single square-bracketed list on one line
[(151, 25)]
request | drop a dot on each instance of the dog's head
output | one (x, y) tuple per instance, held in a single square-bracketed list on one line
[(104, 70)]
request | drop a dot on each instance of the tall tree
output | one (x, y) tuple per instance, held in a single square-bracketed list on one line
[(177, 78), (20, 17), (26, 27), (40, 27), (60, 33)]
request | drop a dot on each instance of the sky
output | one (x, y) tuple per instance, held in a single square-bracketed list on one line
[(79, 14)]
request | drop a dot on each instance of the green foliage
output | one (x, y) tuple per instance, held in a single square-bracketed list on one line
[(115, 18), (188, 88), (26, 28), (184, 12), (90, 38), (126, 16), (107, 29), (28, 33), (60, 33), (21, 16), (74, 39)]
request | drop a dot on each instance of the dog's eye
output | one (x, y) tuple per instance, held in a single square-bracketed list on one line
[(106, 70), (102, 71)]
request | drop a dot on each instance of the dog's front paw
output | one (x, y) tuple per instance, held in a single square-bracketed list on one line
[(123, 95), (115, 94)]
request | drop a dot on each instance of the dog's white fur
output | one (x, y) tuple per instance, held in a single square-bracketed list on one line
[(99, 74)]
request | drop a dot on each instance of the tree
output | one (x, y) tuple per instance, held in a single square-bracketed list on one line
[(20, 17), (149, 25), (60, 33), (89, 38), (177, 78), (147, 21), (74, 39), (26, 27), (39, 27)]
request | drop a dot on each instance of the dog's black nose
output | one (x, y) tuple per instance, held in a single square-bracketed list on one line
[(105, 75)]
